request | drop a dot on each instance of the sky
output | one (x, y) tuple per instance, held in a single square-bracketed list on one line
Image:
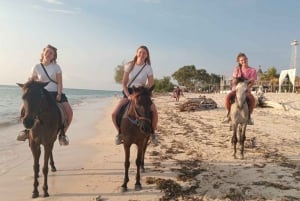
[(93, 37)]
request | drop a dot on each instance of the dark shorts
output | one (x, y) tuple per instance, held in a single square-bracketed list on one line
[(62, 99), (130, 90)]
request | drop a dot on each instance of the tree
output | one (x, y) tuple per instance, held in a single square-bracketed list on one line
[(119, 71), (163, 85), (186, 76)]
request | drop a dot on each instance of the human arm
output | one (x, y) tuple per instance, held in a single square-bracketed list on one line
[(125, 81), (59, 86), (150, 80)]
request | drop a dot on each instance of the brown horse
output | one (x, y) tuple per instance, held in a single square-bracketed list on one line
[(136, 128), (42, 119)]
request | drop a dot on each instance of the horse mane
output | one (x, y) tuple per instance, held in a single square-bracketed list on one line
[(143, 95)]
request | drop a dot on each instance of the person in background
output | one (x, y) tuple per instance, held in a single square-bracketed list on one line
[(242, 72), (177, 93), (131, 69), (55, 87)]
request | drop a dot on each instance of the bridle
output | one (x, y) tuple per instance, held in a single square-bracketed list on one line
[(40, 108), (138, 117)]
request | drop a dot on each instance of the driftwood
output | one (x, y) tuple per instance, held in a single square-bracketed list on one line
[(262, 101), (195, 104)]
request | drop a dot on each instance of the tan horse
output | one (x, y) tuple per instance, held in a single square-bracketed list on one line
[(42, 119), (136, 128), (239, 114)]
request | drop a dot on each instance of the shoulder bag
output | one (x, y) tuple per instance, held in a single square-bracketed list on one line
[(47, 74)]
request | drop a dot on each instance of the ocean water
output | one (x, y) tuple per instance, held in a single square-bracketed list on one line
[(10, 103)]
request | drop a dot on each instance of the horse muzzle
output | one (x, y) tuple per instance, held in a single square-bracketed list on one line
[(28, 122)]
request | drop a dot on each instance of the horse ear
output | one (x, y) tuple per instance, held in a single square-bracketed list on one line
[(20, 85)]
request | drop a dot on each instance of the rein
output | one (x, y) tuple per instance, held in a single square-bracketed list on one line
[(137, 116)]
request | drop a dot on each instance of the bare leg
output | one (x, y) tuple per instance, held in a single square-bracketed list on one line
[(69, 112), (115, 112)]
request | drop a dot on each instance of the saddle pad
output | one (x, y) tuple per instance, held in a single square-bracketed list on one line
[(120, 113), (64, 120)]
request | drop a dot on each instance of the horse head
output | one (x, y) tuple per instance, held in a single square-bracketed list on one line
[(33, 101), (142, 107), (241, 91)]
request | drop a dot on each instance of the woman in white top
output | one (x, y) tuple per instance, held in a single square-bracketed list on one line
[(55, 86), (141, 59)]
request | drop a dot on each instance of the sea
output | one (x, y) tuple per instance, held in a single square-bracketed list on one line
[(10, 103)]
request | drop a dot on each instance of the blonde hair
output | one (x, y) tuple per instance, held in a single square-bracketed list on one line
[(54, 50)]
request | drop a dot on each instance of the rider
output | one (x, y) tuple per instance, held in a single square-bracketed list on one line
[(55, 87), (140, 66), (242, 72)]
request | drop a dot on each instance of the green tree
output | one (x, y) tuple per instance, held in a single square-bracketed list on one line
[(119, 71), (163, 85), (186, 76)]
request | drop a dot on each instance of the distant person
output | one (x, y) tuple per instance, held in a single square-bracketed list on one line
[(242, 72), (140, 66), (49, 71), (177, 93)]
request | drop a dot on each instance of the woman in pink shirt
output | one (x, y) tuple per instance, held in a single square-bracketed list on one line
[(242, 72)]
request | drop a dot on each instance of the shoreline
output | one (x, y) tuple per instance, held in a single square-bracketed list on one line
[(194, 152)]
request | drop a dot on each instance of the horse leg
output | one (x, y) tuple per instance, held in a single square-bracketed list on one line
[(242, 139), (53, 168), (143, 157), (234, 139), (138, 162), (36, 152), (126, 164), (48, 150)]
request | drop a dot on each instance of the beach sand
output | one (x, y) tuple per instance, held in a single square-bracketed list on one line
[(193, 159)]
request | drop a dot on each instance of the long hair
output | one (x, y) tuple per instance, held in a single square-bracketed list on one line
[(147, 60), (55, 53)]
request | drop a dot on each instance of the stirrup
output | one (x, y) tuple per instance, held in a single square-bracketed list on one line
[(250, 121), (23, 135), (118, 139), (63, 139), (154, 139), (226, 120)]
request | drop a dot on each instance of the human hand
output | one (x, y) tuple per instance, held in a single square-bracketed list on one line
[(58, 97)]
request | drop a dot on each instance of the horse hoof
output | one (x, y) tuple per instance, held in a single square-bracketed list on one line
[(124, 189), (46, 195), (35, 195), (138, 187), (53, 169)]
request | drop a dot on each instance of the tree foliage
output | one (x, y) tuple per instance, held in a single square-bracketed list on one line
[(196, 79), (270, 74), (163, 85), (119, 71)]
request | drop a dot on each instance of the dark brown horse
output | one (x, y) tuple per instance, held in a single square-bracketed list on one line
[(136, 128), (42, 119)]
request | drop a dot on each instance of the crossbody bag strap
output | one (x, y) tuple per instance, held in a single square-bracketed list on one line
[(136, 75), (48, 74)]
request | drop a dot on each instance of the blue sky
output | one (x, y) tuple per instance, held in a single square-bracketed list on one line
[(94, 36)]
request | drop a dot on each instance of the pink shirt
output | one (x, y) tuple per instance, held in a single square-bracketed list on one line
[(248, 73)]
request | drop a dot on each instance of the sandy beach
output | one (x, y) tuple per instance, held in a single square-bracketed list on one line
[(193, 160)]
